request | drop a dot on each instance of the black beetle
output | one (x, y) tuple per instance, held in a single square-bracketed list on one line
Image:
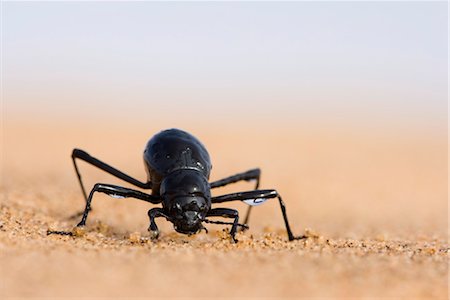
[(178, 168)]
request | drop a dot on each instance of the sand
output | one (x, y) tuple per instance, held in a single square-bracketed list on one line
[(373, 208)]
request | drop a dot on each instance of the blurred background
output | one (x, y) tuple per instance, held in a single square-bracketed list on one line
[(342, 104)]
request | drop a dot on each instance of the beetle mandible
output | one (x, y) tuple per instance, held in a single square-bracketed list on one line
[(178, 167)]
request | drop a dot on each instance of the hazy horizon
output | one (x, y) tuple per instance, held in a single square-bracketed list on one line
[(357, 63)]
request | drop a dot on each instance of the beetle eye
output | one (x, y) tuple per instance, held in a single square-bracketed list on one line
[(177, 208)]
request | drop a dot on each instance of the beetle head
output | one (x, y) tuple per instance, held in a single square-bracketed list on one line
[(187, 213)]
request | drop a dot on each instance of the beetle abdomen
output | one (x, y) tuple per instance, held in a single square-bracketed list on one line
[(172, 150)]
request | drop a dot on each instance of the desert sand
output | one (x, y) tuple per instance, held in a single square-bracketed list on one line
[(372, 204)]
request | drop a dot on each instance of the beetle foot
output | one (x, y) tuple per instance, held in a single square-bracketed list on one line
[(243, 228), (234, 240), (203, 228), (81, 224), (154, 234), (301, 237), (59, 232)]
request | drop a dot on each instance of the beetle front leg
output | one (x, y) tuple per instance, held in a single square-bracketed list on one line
[(227, 213), (153, 228), (117, 192)]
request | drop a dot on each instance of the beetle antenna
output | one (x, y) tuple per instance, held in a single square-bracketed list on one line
[(225, 223)]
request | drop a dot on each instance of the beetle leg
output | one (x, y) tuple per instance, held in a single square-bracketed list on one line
[(252, 198), (153, 228), (227, 213), (83, 155), (254, 174), (117, 192)]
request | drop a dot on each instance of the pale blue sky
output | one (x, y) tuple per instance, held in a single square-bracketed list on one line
[(349, 61)]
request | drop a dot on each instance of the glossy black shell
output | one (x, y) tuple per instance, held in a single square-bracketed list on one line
[(172, 150)]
